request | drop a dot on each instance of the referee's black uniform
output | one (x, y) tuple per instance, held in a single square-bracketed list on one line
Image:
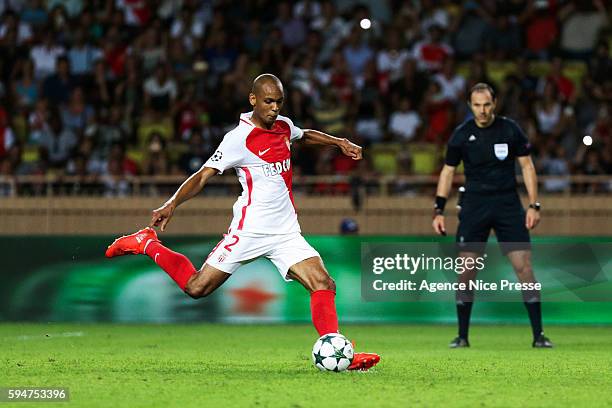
[(490, 200)]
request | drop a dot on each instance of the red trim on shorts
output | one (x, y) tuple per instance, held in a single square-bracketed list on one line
[(249, 181), (216, 246)]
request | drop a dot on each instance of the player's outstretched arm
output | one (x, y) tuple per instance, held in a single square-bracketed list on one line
[(190, 187), (444, 185), (348, 148), (532, 218)]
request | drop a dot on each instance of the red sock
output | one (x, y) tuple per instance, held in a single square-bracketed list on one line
[(176, 265), (323, 310)]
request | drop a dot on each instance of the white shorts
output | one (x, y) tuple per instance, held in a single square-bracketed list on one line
[(285, 250)]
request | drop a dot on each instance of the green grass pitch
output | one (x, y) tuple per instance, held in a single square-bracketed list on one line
[(206, 365)]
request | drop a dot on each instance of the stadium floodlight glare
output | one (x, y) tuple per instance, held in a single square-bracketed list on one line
[(587, 140), (365, 23)]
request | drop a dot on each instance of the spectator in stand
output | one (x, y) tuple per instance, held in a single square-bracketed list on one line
[(504, 40), (116, 182), (129, 92), (589, 162), (13, 161), (390, 60), (273, 53), (330, 112), (542, 27), (136, 13), (197, 154), (527, 81), (600, 64), (77, 113), (156, 162), (292, 27), (82, 55), (128, 167), (253, 38), (412, 85), (107, 131), (46, 55), (58, 87), (100, 87), (220, 55), (72, 7), (582, 23), (160, 90), (554, 163), (370, 110), (149, 49), (564, 85), (549, 112), (451, 82), (473, 28), (7, 137), (59, 142), (434, 14), (439, 115), (11, 53), (307, 10), (25, 88), (304, 88), (12, 22), (115, 51), (38, 121), (340, 78), (405, 123), (188, 29), (357, 54), (431, 53), (93, 27), (35, 13), (333, 28)]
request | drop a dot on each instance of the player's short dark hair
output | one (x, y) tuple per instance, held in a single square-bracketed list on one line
[(480, 87), (265, 78)]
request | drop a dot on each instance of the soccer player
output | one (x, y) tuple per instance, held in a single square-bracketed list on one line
[(488, 145), (265, 221)]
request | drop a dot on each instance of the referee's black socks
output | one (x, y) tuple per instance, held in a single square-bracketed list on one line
[(464, 299), (534, 309)]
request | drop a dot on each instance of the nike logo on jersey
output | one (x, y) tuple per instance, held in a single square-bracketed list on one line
[(262, 152), (472, 138)]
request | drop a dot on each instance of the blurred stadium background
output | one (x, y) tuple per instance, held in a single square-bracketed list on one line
[(106, 106)]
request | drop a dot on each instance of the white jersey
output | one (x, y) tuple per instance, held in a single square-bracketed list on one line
[(262, 159)]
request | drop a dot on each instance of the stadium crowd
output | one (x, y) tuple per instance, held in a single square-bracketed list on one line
[(108, 89)]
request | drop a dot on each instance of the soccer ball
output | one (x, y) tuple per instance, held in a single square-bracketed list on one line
[(332, 352)]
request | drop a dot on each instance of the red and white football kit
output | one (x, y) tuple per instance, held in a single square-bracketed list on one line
[(265, 220)]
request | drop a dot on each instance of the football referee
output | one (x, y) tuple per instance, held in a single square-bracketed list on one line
[(488, 145)]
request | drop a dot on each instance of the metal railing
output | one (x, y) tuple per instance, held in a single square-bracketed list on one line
[(371, 185)]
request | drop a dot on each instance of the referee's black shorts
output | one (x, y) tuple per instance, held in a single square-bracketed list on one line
[(502, 212)]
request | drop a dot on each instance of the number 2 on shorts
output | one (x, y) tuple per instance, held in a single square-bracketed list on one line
[(229, 246)]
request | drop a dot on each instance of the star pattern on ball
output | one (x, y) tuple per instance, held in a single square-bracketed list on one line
[(318, 358)]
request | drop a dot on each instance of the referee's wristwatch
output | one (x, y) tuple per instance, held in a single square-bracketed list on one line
[(536, 206)]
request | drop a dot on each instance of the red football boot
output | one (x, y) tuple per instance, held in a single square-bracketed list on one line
[(132, 244), (364, 361)]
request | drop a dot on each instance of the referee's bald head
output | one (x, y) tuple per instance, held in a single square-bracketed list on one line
[(265, 79)]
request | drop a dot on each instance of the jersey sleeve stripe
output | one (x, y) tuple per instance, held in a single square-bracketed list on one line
[(249, 181)]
